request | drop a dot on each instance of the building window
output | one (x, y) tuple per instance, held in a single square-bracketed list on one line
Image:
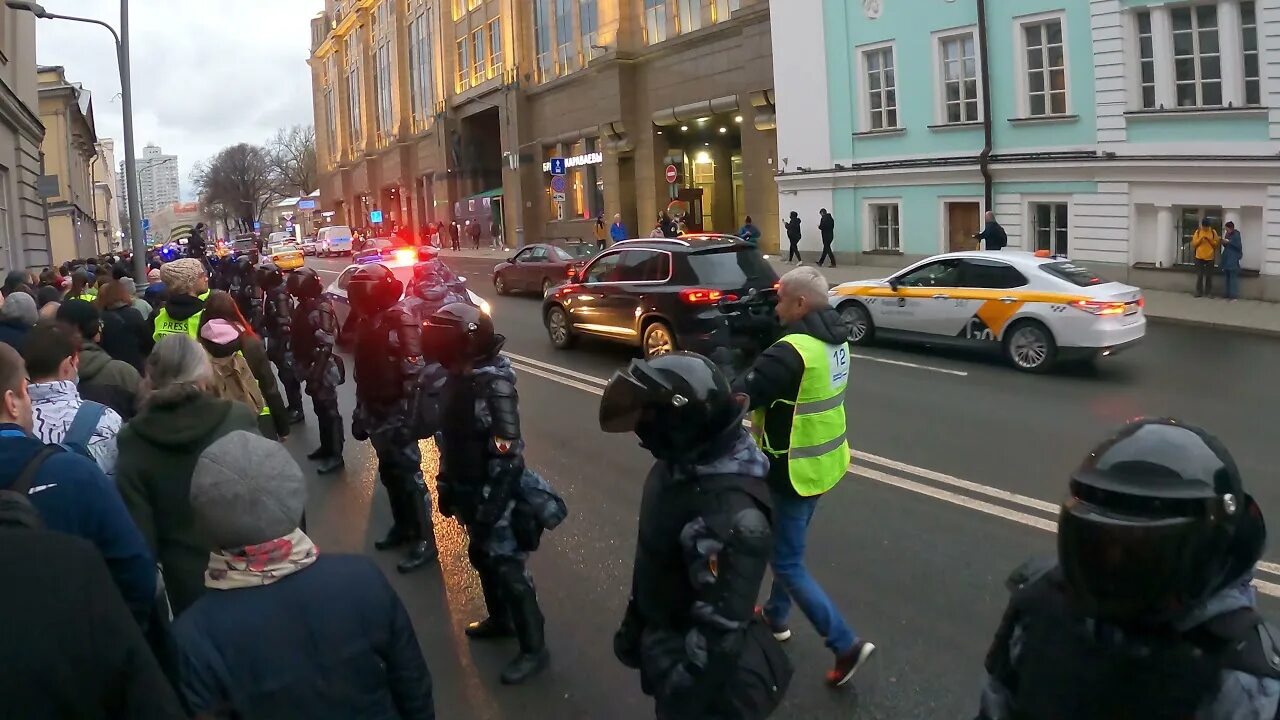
[(655, 21), (1049, 227), (959, 78), (694, 14), (882, 91), (725, 8), (383, 31), (566, 41), (464, 64), (544, 67), (479, 55), (588, 23), (1046, 68), (1249, 45), (456, 7), (1189, 219), (886, 231), (353, 90), (331, 77), (421, 67), (473, 4), (1146, 61), (1197, 63), (495, 48)]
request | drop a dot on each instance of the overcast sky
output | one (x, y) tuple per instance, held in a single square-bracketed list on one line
[(206, 74)]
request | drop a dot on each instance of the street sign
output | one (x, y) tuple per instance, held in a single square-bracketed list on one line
[(557, 197), (306, 204), (557, 166), (257, 226), (558, 184), (146, 223), (375, 217), (673, 174)]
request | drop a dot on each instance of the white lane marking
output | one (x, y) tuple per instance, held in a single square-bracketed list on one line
[(903, 363), (562, 380), (955, 499), (957, 482), (327, 272), (1272, 568), (556, 368)]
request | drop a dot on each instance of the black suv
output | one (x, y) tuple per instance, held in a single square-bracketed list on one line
[(658, 294)]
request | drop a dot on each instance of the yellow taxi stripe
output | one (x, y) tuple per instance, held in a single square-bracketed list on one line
[(1021, 296)]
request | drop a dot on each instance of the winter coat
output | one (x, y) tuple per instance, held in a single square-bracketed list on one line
[(53, 408), (827, 227), (180, 307), (776, 375), (124, 335), (750, 233), (71, 649), (1205, 242), (601, 230), (14, 334), (1232, 250), (158, 453), (793, 229), (255, 355), (352, 655), (994, 236), (104, 379), (617, 232), (74, 497)]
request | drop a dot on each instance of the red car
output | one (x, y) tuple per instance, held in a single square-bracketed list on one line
[(537, 268)]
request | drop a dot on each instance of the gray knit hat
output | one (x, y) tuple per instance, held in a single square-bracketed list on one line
[(19, 306), (247, 490), (180, 276)]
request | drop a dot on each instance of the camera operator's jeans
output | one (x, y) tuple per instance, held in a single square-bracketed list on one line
[(791, 580)]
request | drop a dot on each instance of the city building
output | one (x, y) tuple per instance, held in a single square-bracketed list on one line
[(452, 110), (24, 236), (157, 180), (106, 206), (70, 150), (1101, 129)]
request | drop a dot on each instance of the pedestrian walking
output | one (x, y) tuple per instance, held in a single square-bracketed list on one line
[(601, 232), (124, 328), (796, 390), (1204, 242), (274, 600), (1130, 621), (495, 234), (792, 226), (992, 234), (1232, 254), (617, 231), (750, 232), (827, 230), (473, 232), (17, 315), (241, 368), (102, 378), (702, 544), (313, 334), (68, 491), (59, 414), (178, 419), (454, 233)]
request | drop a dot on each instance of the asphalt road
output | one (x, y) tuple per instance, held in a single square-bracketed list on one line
[(960, 462)]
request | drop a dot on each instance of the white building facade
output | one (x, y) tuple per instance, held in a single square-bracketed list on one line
[(157, 180)]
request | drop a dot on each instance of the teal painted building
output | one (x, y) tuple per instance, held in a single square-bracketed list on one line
[(1103, 129)]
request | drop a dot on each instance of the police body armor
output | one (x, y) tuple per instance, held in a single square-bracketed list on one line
[(304, 334), (476, 471), (377, 364)]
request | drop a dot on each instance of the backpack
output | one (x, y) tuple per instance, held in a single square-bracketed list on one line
[(16, 509), (80, 432), (233, 380)]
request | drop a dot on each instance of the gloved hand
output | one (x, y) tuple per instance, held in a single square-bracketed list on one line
[(444, 497), (490, 512), (358, 430)]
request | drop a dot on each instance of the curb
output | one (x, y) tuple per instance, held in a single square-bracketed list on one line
[(1227, 327)]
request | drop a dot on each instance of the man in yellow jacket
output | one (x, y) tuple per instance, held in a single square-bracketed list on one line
[(1205, 243)]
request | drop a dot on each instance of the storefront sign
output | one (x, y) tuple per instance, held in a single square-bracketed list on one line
[(591, 158)]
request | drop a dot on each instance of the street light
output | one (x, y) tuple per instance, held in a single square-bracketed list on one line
[(126, 101)]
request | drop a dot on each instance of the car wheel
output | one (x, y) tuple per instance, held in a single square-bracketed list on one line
[(1030, 347), (657, 341), (499, 284), (547, 287), (558, 329), (862, 328)]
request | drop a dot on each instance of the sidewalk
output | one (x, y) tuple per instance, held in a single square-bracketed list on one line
[(1251, 316)]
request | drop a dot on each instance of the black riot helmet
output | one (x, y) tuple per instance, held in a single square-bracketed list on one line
[(374, 288), (677, 404), (304, 283), (459, 332), (1156, 522), (244, 266), (269, 276)]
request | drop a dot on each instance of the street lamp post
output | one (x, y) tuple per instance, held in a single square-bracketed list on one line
[(126, 100)]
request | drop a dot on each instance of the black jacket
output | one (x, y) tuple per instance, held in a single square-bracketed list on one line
[(124, 335), (827, 226), (14, 334), (481, 450), (776, 375), (71, 650), (793, 229), (994, 236)]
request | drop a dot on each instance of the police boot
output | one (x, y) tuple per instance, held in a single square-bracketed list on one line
[(297, 417), (527, 617), (424, 550), (498, 624), (399, 534), (331, 438)]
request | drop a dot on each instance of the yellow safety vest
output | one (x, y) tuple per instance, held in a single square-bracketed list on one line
[(166, 325), (818, 450), (204, 296)]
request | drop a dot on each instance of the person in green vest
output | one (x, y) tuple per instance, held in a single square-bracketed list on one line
[(188, 285), (796, 392)]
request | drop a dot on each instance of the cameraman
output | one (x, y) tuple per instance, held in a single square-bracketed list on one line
[(796, 390)]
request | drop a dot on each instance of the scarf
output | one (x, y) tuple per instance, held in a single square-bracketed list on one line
[(261, 564)]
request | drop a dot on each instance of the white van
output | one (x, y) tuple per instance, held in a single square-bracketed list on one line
[(333, 240)]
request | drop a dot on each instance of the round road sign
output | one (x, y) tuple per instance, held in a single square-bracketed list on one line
[(673, 174), (558, 183)]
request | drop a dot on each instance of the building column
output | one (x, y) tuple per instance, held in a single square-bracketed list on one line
[(1230, 51), (1162, 51), (1166, 242)]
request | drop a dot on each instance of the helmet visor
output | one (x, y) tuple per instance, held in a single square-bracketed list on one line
[(629, 394)]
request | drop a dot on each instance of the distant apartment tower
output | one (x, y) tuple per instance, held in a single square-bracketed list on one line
[(157, 180)]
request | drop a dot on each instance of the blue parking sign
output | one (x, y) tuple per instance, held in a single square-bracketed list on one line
[(557, 166), (375, 216)]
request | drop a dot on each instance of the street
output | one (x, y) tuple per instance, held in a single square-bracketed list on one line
[(959, 464)]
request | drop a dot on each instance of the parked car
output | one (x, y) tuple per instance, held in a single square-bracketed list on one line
[(333, 240), (385, 250), (337, 292), (658, 294), (536, 268), (307, 246), (286, 257), (1035, 308)]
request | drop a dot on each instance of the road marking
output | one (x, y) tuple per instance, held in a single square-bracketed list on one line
[(964, 484), (562, 380), (955, 499), (557, 369), (328, 272), (903, 363)]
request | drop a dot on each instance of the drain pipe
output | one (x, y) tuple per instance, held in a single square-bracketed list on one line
[(984, 159)]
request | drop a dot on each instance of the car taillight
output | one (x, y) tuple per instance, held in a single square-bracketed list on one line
[(1142, 302), (571, 271), (700, 296), (1098, 307)]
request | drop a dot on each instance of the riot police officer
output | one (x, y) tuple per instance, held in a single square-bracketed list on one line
[(277, 327), (704, 542), (388, 358), (481, 470), (433, 287), (314, 329), (1149, 610), (245, 291)]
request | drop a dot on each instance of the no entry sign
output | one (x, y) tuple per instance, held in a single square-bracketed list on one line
[(673, 174)]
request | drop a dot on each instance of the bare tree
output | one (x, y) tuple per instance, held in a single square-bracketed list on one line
[(292, 153), (237, 183)]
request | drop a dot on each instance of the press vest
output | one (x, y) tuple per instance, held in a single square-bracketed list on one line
[(817, 452), (167, 325)]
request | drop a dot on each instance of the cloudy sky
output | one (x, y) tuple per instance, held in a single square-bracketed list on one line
[(206, 74)]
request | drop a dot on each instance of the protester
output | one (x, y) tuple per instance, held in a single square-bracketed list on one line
[(240, 364), (15, 281), (81, 286), (750, 232), (993, 234), (69, 492), (703, 543), (827, 229), (103, 379), (17, 315), (140, 304), (124, 329), (330, 623), (185, 281), (793, 237), (796, 389), (178, 419), (601, 231), (60, 415), (1232, 254)]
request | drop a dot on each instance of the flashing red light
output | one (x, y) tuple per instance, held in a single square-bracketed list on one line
[(701, 296)]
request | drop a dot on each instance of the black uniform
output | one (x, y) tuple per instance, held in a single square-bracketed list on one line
[(314, 329), (388, 358), (277, 330), (244, 289), (703, 545), (481, 474)]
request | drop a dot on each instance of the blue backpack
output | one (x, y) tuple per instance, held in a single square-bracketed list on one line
[(83, 425)]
